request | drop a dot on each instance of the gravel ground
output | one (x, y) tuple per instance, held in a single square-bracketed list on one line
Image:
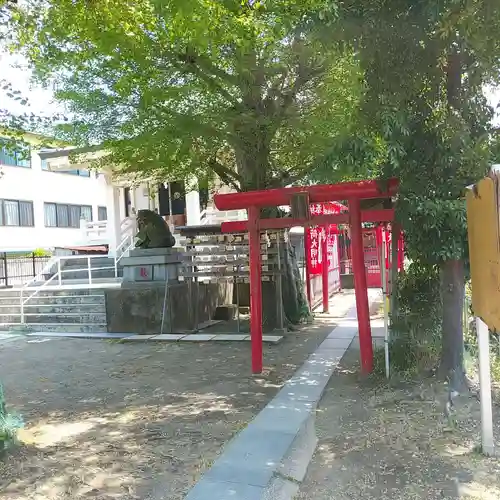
[(380, 442), (108, 420)]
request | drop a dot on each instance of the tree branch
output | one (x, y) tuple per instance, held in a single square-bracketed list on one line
[(287, 177), (228, 176), (207, 71)]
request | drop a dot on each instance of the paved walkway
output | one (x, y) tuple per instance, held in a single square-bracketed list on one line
[(269, 458)]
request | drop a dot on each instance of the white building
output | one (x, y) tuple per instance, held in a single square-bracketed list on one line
[(53, 203), (44, 208)]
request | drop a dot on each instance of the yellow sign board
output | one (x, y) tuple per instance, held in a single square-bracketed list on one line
[(484, 248)]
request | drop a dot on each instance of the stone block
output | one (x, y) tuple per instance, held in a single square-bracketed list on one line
[(167, 337), (272, 339), (251, 457), (344, 331), (231, 338), (151, 260), (309, 382), (284, 415), (207, 489), (139, 338), (227, 312), (148, 252), (336, 343), (138, 307), (197, 337), (143, 273)]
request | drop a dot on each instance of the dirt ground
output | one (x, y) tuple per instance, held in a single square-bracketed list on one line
[(108, 420), (380, 442)]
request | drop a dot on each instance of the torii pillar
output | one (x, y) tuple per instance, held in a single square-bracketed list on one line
[(360, 286)]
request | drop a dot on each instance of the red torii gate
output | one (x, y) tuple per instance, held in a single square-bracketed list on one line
[(253, 201)]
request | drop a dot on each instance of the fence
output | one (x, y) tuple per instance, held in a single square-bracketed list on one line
[(17, 269)]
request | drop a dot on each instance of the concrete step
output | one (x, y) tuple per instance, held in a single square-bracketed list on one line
[(43, 318), (51, 300), (94, 262), (54, 327), (77, 274), (98, 308), (54, 291), (96, 282)]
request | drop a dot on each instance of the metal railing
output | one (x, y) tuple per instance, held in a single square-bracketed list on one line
[(122, 250), (53, 271), (16, 268), (94, 231), (57, 276)]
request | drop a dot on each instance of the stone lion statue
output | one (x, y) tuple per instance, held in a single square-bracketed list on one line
[(153, 231)]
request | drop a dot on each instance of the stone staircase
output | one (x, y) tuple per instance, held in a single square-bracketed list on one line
[(54, 310), (102, 268)]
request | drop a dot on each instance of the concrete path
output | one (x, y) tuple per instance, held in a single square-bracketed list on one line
[(268, 459)]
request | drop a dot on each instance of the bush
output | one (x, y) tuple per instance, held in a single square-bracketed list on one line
[(9, 425), (415, 340)]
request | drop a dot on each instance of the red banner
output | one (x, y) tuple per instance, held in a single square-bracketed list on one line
[(315, 235)]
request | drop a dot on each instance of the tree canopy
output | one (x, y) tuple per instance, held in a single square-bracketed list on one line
[(251, 90), (264, 93), (425, 120)]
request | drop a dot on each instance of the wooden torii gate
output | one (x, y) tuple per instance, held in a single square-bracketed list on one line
[(303, 196)]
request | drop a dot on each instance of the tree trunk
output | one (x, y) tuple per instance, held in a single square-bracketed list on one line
[(295, 303), (452, 353), (293, 299), (252, 159)]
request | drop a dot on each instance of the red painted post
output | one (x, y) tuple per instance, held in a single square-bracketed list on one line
[(362, 305), (255, 289), (307, 257), (339, 262), (325, 270)]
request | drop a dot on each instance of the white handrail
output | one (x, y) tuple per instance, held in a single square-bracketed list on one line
[(58, 275), (128, 230), (127, 243)]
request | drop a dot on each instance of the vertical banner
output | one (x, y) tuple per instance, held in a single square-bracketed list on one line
[(315, 254), (315, 236)]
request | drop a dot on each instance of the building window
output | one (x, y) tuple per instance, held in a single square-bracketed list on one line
[(16, 213), (102, 213), (62, 215), (17, 156)]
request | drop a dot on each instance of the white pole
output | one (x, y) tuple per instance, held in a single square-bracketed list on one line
[(483, 339), (193, 212), (89, 270), (170, 209), (59, 277), (384, 298)]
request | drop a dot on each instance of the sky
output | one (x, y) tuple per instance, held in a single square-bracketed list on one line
[(41, 102)]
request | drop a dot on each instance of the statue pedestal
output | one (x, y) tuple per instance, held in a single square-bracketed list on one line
[(151, 266)]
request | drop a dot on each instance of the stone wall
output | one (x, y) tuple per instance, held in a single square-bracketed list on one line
[(139, 309)]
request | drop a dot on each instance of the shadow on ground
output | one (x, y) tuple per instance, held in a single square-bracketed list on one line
[(380, 441), (108, 420)]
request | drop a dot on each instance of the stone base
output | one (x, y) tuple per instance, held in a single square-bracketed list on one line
[(347, 281), (151, 265), (138, 309), (227, 312)]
